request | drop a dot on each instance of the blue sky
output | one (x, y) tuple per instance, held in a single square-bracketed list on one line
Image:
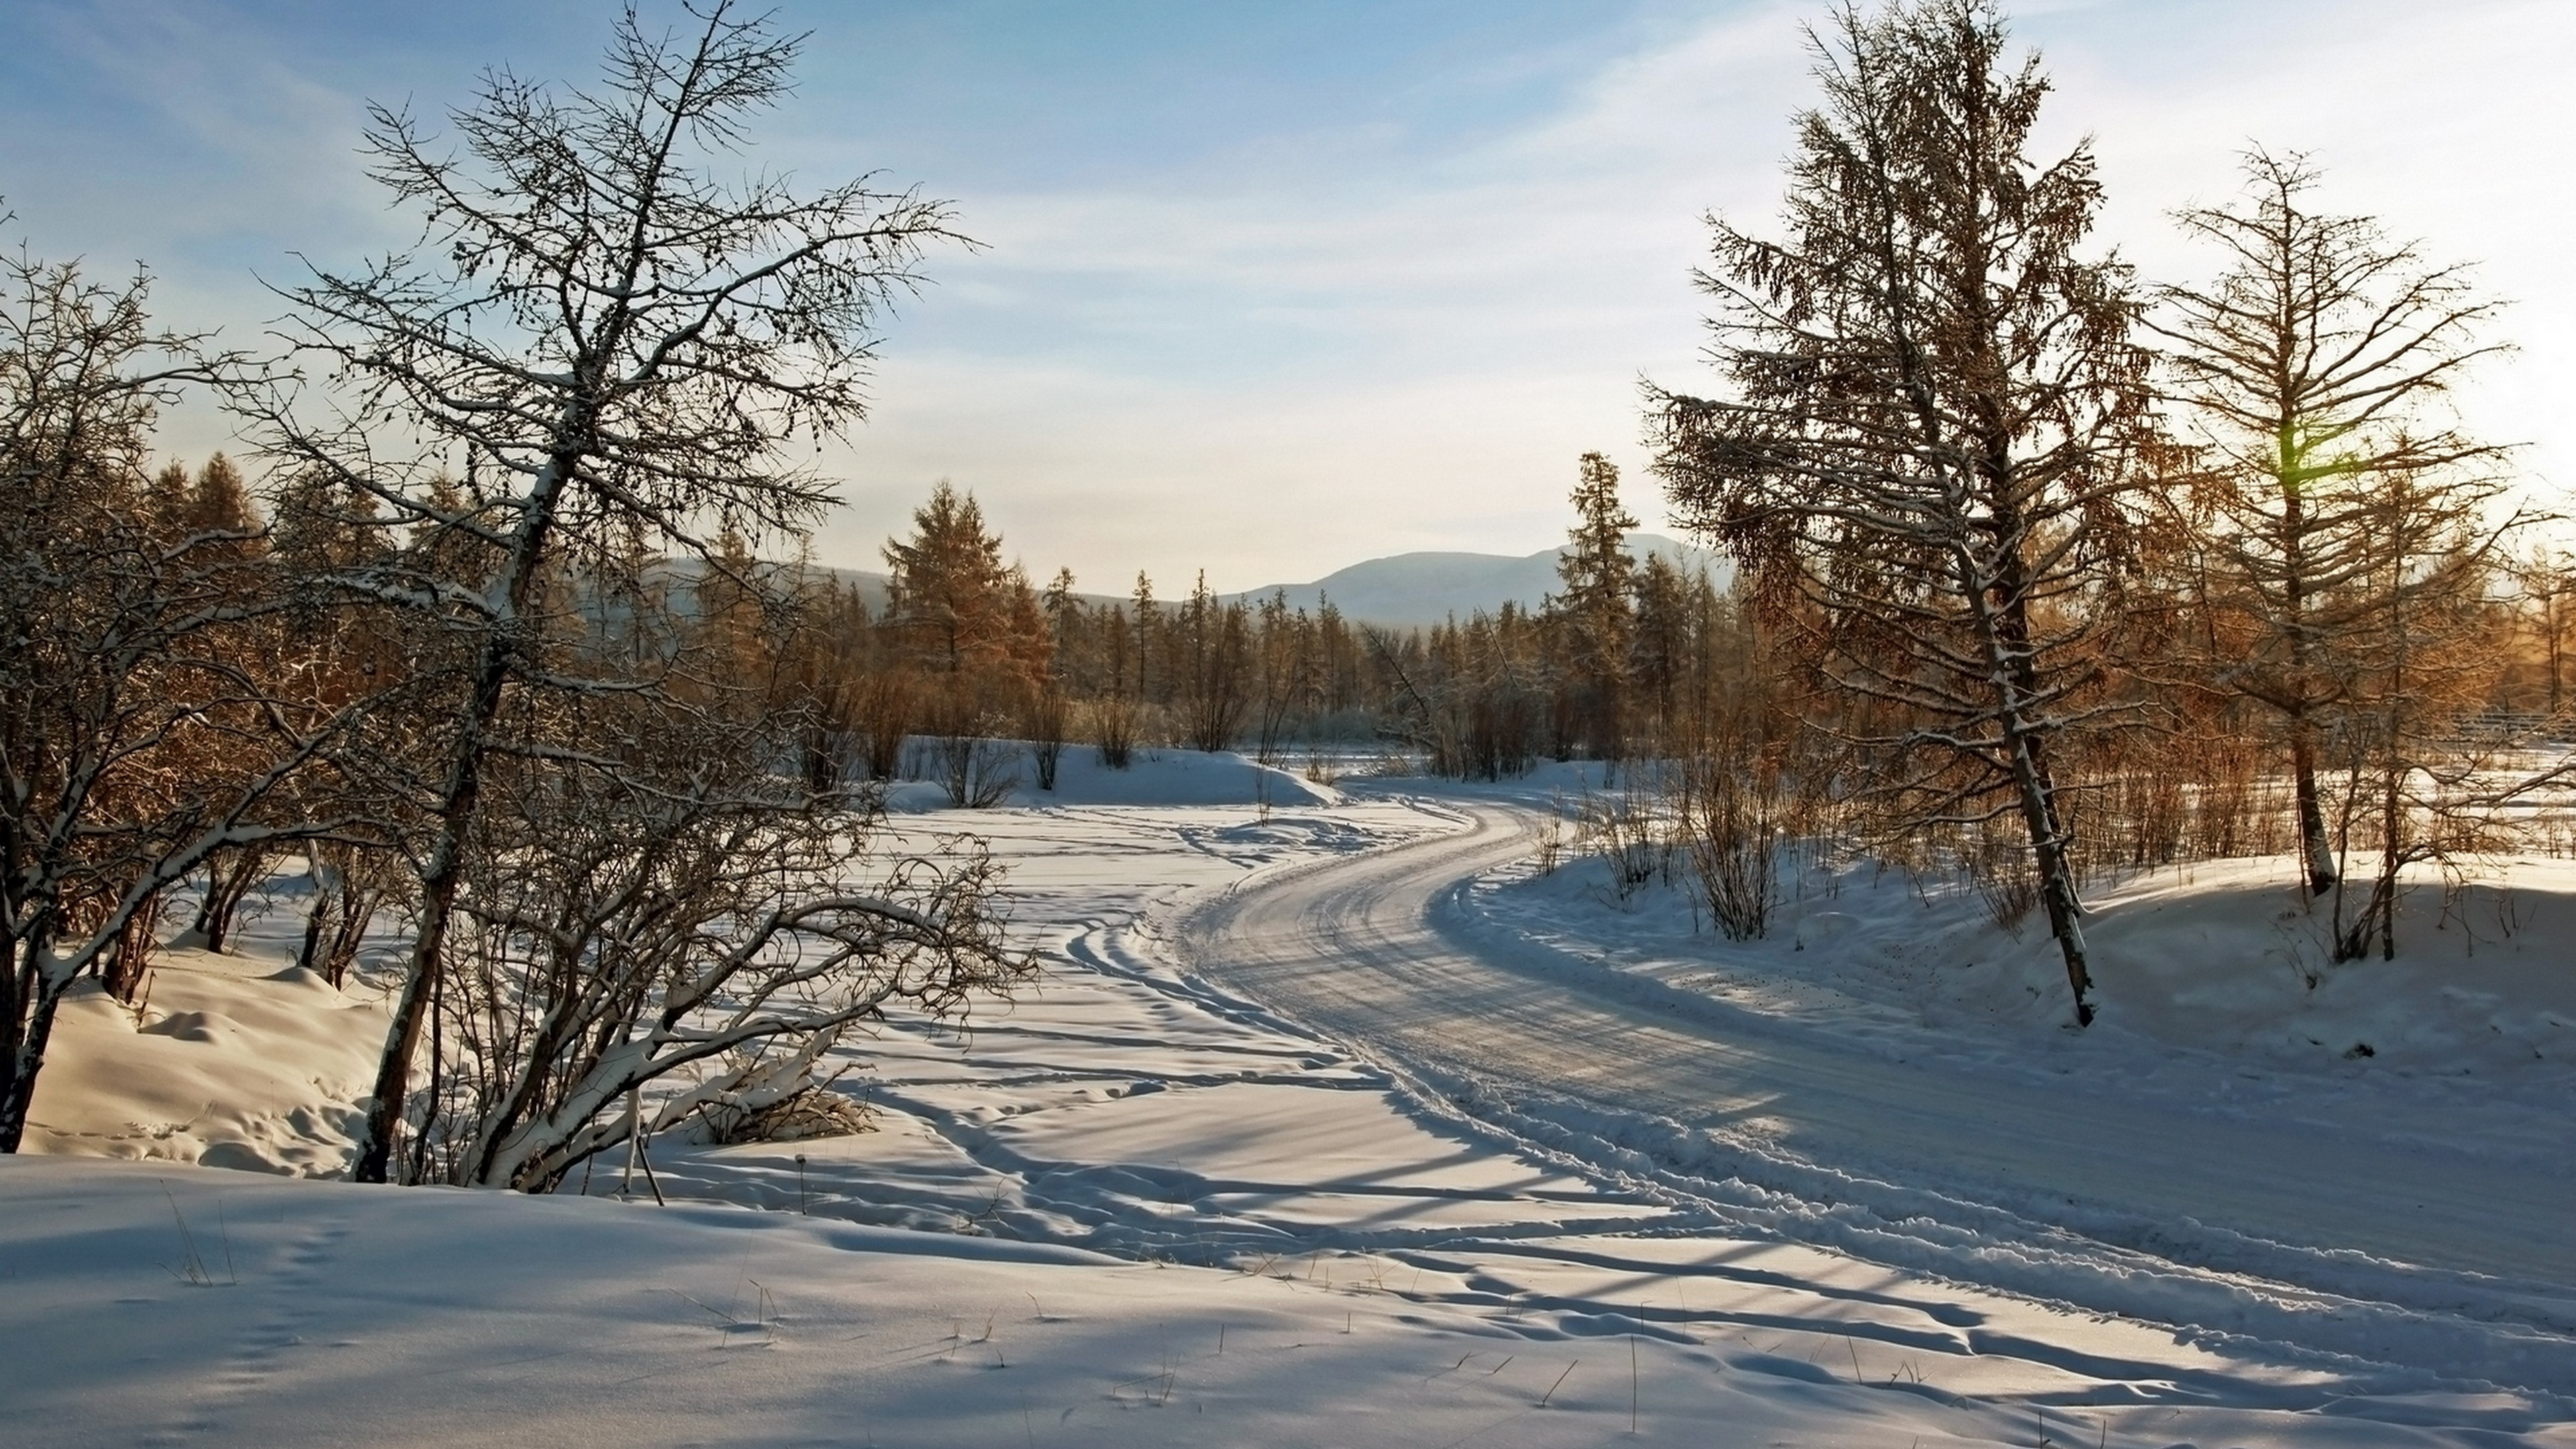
[(1271, 288)]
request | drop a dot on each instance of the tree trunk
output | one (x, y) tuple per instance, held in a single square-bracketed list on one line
[(437, 901), (2032, 779), (2035, 782), (125, 963), (2001, 608), (374, 1157), (29, 1058), (2315, 845), (229, 878), (321, 918), (2557, 646)]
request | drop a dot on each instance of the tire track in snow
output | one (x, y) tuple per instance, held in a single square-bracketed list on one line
[(2357, 1251)]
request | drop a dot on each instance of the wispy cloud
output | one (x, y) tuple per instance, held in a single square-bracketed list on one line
[(1407, 356), (1267, 294)]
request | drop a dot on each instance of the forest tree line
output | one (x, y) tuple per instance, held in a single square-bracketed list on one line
[(963, 644), (2040, 570)]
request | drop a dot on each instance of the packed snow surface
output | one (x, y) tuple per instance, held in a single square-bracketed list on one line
[(1334, 1120)]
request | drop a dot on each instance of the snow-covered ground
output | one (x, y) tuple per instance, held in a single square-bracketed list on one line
[(1179, 1192)]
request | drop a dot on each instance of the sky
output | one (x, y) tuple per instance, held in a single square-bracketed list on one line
[(1268, 289)]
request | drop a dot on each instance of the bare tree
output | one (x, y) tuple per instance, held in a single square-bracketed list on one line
[(2307, 370), (1934, 406), (1284, 666), (351, 884), (139, 739), (666, 907), (1050, 719), (2423, 619), (607, 342), (363, 652)]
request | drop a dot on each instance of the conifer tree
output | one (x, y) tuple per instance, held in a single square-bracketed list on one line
[(1659, 658), (950, 590), (1934, 413), (1147, 618), (1064, 615), (1595, 605), (1028, 636)]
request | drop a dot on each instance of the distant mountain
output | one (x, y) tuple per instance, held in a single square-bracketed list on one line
[(1425, 588), (684, 573), (1402, 591)]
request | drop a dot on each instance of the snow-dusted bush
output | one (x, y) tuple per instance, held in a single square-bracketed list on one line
[(656, 907)]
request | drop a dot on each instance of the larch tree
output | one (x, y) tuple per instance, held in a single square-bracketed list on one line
[(2308, 373), (1148, 618), (1213, 648), (1028, 634), (1284, 659), (950, 589), (1935, 400), (2421, 627), (359, 653), (609, 333), (214, 506), (1064, 616)]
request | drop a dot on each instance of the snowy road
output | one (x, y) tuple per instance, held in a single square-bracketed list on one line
[(2326, 1235)]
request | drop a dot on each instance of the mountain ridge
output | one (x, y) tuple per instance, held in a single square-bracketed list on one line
[(1429, 586), (1401, 591)]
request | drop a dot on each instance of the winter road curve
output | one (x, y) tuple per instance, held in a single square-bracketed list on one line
[(1380, 950)]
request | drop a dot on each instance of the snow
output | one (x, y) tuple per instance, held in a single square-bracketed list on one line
[(236, 1061), (2218, 992), (1146, 1203), (339, 1314)]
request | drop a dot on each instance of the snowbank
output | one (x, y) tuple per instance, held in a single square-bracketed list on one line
[(233, 1061), (2223, 959)]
